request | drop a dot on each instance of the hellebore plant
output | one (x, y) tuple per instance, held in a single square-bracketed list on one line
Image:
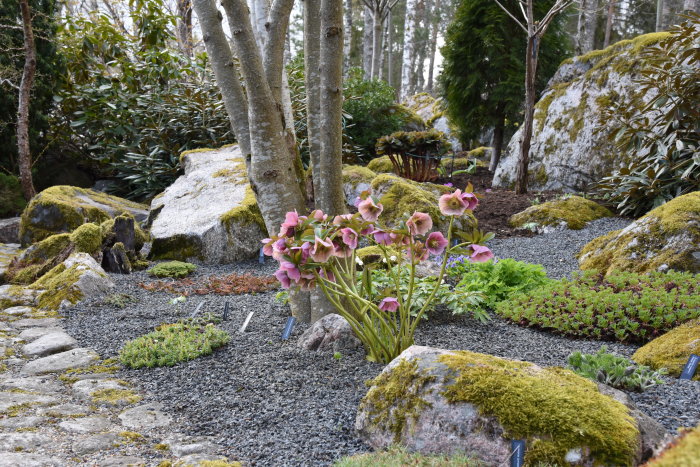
[(319, 251)]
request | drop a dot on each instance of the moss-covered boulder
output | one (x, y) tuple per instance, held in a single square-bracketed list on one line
[(401, 198), (571, 144), (438, 401), (671, 350), (572, 212), (381, 165), (356, 179), (209, 214), (63, 208), (667, 237), (684, 451)]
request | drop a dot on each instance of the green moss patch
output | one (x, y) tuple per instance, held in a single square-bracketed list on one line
[(399, 457), (355, 174), (666, 237), (381, 165), (554, 409), (108, 366), (671, 350), (116, 397), (626, 307), (682, 452), (87, 238), (246, 213), (173, 269), (172, 343), (574, 211), (59, 286)]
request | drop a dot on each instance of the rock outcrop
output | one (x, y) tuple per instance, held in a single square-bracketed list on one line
[(61, 209), (332, 332), (571, 146), (356, 179), (667, 237), (572, 212), (671, 350), (209, 214), (438, 401), (684, 451)]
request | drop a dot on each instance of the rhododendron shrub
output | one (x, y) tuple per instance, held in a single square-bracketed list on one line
[(320, 251)]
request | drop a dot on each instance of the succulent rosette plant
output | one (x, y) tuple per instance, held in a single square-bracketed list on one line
[(321, 251)]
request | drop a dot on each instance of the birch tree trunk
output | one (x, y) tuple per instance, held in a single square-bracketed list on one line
[(25, 89), (312, 51), (377, 36), (184, 26), (587, 22), (389, 50), (434, 25), (660, 6), (367, 42), (347, 40), (609, 23), (409, 48)]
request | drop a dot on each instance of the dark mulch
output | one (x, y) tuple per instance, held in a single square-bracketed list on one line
[(497, 205)]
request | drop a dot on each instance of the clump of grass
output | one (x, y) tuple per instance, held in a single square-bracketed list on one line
[(173, 343), (172, 269)]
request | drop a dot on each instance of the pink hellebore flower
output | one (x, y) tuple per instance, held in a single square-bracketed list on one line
[(291, 220), (338, 220), (419, 223), (322, 250), (291, 270), (342, 250), (480, 254), (382, 237), (436, 243), (452, 204), (279, 249), (283, 277), (267, 247), (368, 210), (349, 237), (389, 304), (305, 249), (319, 215), (471, 200), (417, 252)]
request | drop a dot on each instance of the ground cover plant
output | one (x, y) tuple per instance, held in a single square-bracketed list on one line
[(169, 344), (172, 269), (496, 280), (614, 370), (626, 307), (399, 457), (229, 284)]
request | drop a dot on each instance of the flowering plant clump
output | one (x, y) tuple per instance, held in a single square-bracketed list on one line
[(320, 251)]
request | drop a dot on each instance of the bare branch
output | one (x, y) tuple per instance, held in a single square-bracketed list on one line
[(9, 83), (511, 15), (558, 7)]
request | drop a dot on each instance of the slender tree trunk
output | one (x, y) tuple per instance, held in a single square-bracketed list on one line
[(497, 142), (409, 49), (312, 51), (227, 76), (587, 22), (660, 15), (389, 50), (530, 75), (377, 36), (435, 20), (367, 42), (25, 89), (347, 41), (382, 55), (184, 26), (609, 22)]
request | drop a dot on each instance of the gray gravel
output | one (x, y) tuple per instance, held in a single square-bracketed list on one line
[(269, 403)]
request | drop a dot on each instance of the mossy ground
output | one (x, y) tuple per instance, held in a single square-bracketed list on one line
[(648, 247), (552, 408), (246, 213), (575, 211), (59, 286), (115, 397), (355, 174), (381, 165), (399, 457), (108, 366), (671, 350), (684, 452), (172, 269)]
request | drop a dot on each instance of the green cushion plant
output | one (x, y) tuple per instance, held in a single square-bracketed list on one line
[(173, 269), (614, 370)]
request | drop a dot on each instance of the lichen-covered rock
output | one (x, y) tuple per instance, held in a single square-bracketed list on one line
[(667, 237), (75, 279), (571, 146), (209, 214), (401, 198), (684, 451), (356, 179), (332, 332), (671, 350), (381, 165), (422, 104), (438, 401), (64, 208), (443, 124), (572, 212)]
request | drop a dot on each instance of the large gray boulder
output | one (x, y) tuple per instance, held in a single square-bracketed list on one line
[(209, 214), (439, 401), (571, 146)]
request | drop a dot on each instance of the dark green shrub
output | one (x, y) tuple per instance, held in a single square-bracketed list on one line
[(173, 343), (415, 155), (659, 132), (172, 269), (626, 307), (496, 280), (12, 201), (613, 370)]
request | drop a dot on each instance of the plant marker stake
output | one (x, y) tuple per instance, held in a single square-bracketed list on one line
[(690, 367), (261, 258), (517, 457), (196, 310), (246, 322), (288, 327), (224, 317)]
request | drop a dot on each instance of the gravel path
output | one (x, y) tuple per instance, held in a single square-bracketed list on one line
[(269, 403)]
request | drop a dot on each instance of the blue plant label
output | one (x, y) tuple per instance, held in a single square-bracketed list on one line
[(288, 327), (690, 367), (261, 257), (517, 456)]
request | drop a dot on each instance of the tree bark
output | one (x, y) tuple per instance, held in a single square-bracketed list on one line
[(312, 51), (377, 36), (497, 143), (435, 20), (347, 41), (184, 26), (25, 89), (409, 49), (225, 71), (530, 75), (587, 22), (660, 15), (609, 23), (389, 50), (367, 42)]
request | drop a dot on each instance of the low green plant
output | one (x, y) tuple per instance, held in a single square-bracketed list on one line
[(120, 300), (172, 269), (613, 370), (169, 344), (624, 306), (399, 457), (497, 280), (416, 155)]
